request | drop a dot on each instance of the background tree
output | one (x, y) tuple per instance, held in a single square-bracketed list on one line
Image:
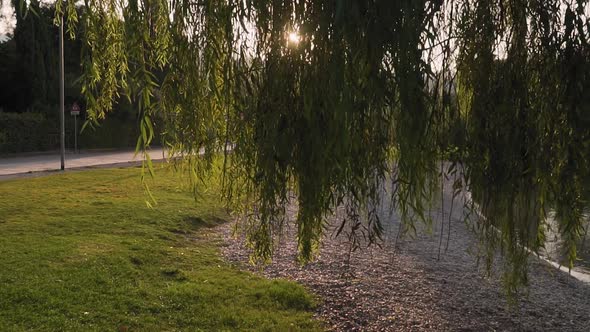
[(13, 88), (31, 63), (35, 49)]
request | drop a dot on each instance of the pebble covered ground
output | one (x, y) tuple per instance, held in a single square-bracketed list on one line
[(404, 286)]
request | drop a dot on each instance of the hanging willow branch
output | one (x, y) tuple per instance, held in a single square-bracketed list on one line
[(499, 88)]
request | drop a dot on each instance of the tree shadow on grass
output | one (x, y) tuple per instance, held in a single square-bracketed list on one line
[(208, 221), (189, 224)]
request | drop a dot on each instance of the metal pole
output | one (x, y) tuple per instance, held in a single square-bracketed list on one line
[(61, 95)]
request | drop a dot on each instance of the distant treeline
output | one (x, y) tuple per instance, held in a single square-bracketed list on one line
[(29, 88)]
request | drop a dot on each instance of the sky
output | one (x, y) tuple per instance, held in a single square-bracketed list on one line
[(7, 21), (6, 18)]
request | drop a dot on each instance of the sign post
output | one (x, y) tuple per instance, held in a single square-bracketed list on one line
[(75, 111)]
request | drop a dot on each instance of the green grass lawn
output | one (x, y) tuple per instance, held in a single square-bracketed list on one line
[(81, 251)]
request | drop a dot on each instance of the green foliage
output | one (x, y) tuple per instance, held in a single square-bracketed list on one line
[(373, 88), (82, 252), (23, 132)]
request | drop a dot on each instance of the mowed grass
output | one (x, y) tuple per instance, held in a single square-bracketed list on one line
[(81, 251)]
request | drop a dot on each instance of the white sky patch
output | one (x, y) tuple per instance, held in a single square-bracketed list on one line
[(6, 18), (294, 37)]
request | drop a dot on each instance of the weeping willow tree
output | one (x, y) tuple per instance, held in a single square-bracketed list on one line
[(327, 99)]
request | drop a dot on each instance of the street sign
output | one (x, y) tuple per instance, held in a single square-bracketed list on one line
[(75, 109)]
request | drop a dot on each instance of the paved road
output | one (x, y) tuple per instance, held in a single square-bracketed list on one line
[(50, 162)]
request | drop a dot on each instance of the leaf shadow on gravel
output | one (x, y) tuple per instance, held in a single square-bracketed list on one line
[(402, 286)]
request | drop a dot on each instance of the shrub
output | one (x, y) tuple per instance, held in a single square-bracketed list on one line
[(23, 132), (111, 132)]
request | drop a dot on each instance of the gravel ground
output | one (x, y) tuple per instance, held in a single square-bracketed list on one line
[(402, 286)]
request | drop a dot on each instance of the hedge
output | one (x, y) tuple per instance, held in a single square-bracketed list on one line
[(110, 133), (23, 132)]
